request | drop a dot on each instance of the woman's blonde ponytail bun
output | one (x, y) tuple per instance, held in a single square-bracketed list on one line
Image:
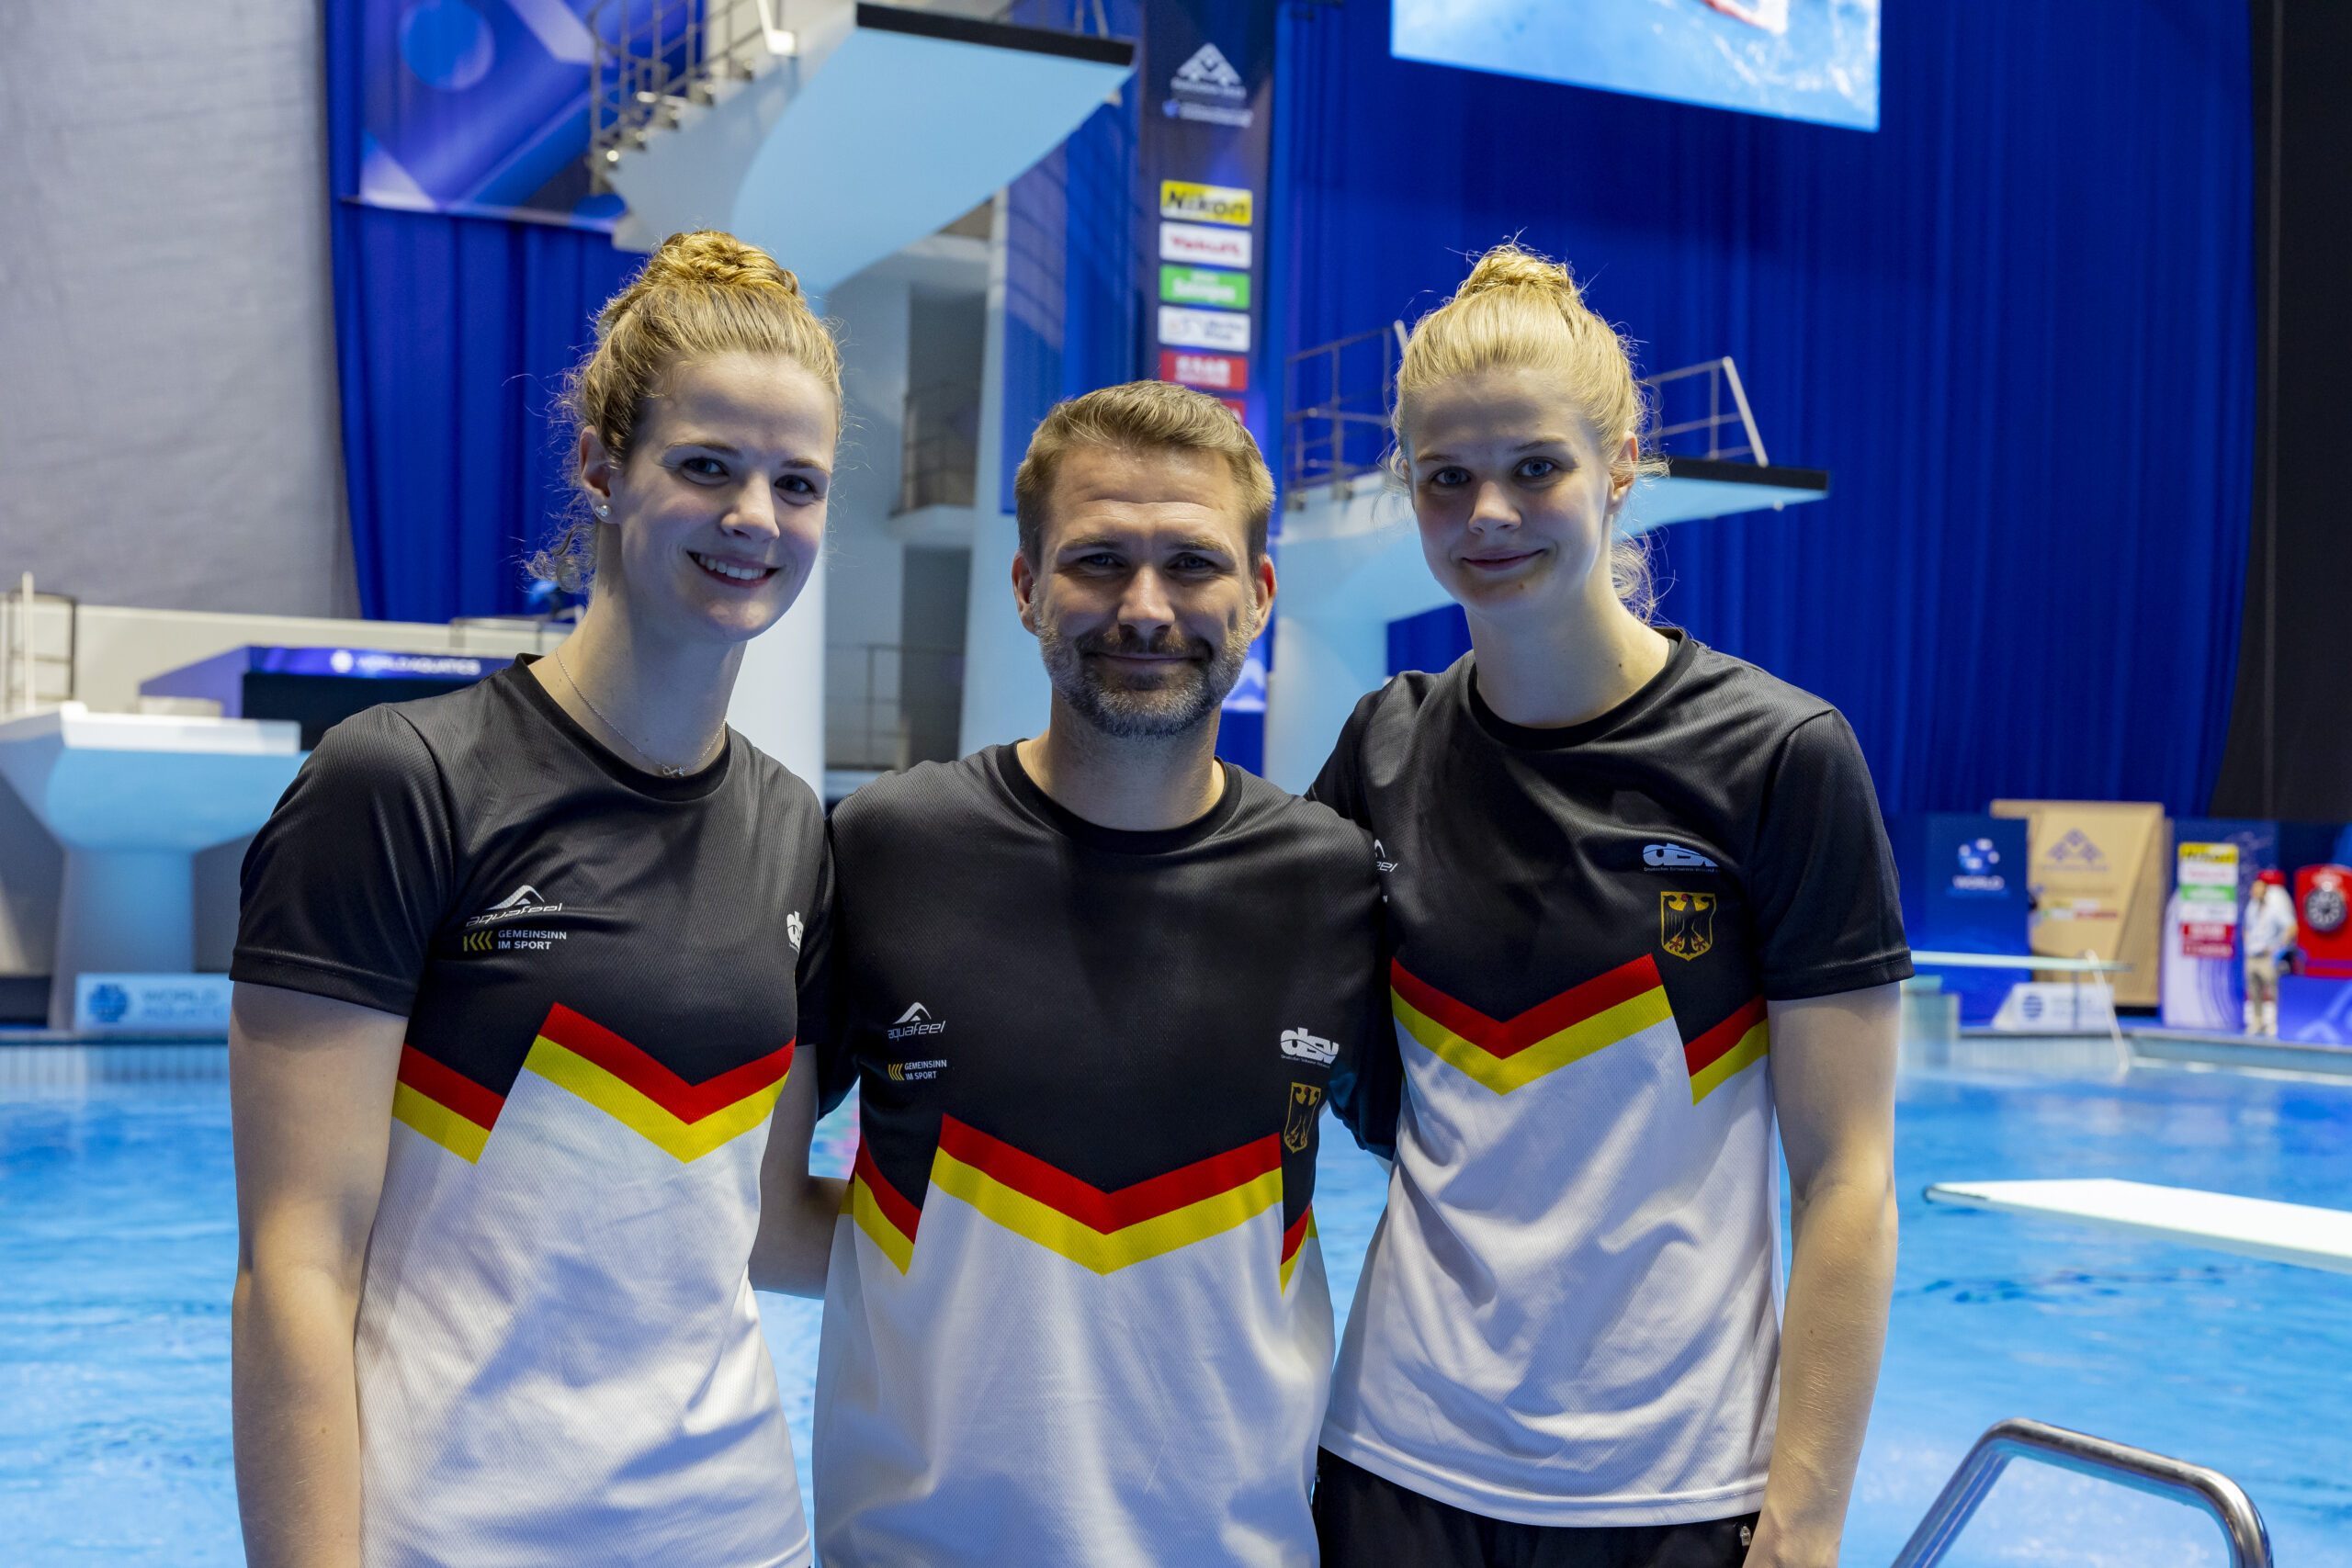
[(1519, 310), (701, 295), (1510, 266), (706, 258)]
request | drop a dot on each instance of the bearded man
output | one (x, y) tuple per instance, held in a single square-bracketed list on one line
[(1094, 990)]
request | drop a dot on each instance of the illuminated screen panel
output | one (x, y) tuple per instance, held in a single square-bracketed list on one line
[(1812, 60)]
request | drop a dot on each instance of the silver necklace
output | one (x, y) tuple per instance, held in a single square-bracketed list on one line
[(666, 769)]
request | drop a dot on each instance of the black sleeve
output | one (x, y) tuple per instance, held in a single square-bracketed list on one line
[(1821, 875), (347, 882), (1341, 783), (823, 1015), (1367, 1086), (819, 1028)]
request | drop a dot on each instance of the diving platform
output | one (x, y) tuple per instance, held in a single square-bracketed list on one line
[(839, 140)]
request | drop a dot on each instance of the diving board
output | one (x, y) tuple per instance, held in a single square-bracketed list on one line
[(2258, 1227)]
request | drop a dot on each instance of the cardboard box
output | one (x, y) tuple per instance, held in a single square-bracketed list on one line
[(2099, 871)]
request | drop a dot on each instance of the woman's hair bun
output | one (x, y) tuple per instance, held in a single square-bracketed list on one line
[(1513, 265), (704, 259)]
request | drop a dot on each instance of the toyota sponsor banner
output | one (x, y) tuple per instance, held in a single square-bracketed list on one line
[(1207, 72)]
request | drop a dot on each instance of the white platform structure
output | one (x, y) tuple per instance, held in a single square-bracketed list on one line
[(2258, 1227), (131, 798), (840, 139)]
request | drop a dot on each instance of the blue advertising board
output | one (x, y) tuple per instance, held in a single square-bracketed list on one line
[(1207, 75), (1963, 887)]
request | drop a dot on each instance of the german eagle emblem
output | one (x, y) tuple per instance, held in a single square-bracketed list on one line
[(1686, 923)]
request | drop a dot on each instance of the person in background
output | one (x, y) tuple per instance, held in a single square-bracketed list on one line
[(515, 1017), (1643, 903), (2269, 934), (1096, 990)]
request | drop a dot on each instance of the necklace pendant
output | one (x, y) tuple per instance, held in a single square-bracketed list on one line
[(670, 772)]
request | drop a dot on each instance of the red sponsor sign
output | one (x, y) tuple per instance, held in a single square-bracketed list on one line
[(2208, 939), (1210, 372)]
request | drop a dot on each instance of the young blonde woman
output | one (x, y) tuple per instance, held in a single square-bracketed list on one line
[(1643, 906), (516, 1008)]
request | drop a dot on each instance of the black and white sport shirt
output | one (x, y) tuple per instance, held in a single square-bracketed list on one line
[(1570, 1313), (559, 1358), (1076, 1312)]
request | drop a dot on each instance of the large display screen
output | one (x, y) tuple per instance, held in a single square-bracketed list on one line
[(1812, 60)]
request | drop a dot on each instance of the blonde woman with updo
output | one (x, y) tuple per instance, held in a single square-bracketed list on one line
[(515, 1017), (1643, 907)]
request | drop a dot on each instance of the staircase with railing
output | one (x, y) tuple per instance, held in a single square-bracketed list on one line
[(832, 133)]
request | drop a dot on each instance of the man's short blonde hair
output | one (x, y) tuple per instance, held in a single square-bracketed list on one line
[(1141, 416)]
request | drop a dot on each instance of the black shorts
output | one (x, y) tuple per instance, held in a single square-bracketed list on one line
[(1364, 1520)]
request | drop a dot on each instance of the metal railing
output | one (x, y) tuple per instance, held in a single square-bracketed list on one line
[(21, 658), (865, 723), (1721, 376), (2220, 1497), (1341, 396), (939, 450), (654, 58)]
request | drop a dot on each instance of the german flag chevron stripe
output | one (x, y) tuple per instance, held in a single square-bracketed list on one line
[(875, 1208), (443, 1104), (1292, 1239), (1738, 1042), (1505, 1055), (1098, 1229), (617, 1078)]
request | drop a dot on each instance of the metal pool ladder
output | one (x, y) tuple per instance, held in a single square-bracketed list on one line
[(2221, 1497)]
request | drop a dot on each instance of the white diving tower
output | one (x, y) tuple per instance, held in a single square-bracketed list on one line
[(831, 133)]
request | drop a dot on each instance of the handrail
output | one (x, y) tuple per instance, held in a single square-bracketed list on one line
[(2019, 961), (1338, 429), (2223, 1499)]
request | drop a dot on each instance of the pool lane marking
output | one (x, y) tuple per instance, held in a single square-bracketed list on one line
[(2258, 1227)]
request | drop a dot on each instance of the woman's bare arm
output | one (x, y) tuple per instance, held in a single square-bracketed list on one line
[(797, 1210), (311, 1085), (1832, 1083)]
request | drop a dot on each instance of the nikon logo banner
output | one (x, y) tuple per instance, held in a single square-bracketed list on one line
[(1205, 204)]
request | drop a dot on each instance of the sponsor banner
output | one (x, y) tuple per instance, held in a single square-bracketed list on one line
[(1209, 372), (1229, 205), (1225, 330), (2207, 907), (1200, 242), (1207, 72), (151, 1004), (1205, 285)]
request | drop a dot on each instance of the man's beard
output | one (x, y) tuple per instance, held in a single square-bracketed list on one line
[(1185, 698)]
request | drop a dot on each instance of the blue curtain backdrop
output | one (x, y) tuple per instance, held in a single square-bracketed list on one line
[(2016, 323), (453, 336)]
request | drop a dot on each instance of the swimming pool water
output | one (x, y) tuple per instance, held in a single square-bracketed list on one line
[(117, 1247)]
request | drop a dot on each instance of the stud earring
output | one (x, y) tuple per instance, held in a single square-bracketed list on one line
[(604, 510)]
